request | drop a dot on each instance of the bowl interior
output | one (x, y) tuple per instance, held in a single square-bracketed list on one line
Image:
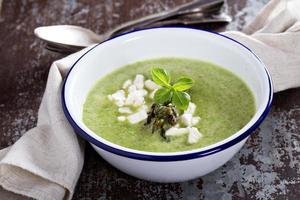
[(164, 42)]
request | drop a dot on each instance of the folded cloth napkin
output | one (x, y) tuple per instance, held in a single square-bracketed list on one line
[(274, 36), (45, 162)]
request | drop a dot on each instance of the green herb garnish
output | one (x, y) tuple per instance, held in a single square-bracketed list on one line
[(163, 114), (162, 117), (171, 93)]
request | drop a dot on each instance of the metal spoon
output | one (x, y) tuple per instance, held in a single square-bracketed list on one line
[(67, 49), (222, 18), (67, 35), (68, 38)]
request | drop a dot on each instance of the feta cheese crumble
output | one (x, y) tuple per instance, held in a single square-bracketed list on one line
[(130, 98), (131, 104), (121, 118), (176, 131), (125, 110), (191, 108), (127, 84), (137, 117), (194, 135), (188, 121), (195, 120), (150, 85), (139, 81)]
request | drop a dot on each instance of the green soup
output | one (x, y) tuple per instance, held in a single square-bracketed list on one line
[(224, 103)]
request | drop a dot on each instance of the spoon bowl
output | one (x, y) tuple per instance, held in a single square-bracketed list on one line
[(68, 35)]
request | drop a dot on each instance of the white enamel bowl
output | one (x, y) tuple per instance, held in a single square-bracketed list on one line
[(156, 43)]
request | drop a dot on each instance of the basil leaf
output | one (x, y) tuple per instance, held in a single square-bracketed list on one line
[(161, 77), (181, 100), (183, 83), (163, 95)]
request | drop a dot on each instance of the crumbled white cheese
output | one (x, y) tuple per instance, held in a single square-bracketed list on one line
[(131, 88), (118, 95), (139, 81), (176, 131), (121, 118), (133, 95), (127, 84), (138, 101), (125, 110), (120, 103), (194, 135), (151, 95), (191, 108), (150, 85), (129, 100), (195, 120), (141, 92), (134, 99), (186, 119), (137, 117)]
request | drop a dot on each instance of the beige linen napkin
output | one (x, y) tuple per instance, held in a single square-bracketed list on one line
[(46, 162), (274, 36)]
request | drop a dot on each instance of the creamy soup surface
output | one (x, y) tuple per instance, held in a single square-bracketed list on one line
[(224, 103)]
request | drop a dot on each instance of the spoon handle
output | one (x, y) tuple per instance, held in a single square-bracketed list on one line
[(194, 6), (192, 19)]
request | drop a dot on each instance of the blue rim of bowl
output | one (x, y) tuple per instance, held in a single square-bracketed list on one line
[(166, 158)]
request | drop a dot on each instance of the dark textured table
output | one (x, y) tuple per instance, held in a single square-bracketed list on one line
[(268, 166)]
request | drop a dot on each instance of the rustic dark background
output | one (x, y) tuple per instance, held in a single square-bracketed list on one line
[(266, 168)]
